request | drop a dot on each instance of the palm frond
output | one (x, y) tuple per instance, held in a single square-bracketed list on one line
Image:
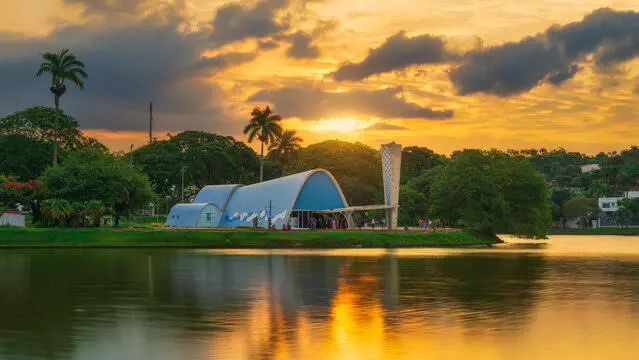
[(45, 67), (252, 134), (51, 57), (75, 79), (77, 70)]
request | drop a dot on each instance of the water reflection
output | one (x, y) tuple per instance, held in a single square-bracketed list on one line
[(106, 304)]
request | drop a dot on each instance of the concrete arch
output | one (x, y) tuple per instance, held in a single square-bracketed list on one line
[(190, 215), (317, 189)]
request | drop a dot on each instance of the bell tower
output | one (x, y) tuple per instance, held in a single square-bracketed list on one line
[(391, 168)]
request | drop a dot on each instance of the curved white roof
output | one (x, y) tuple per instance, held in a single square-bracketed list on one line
[(217, 194), (309, 190), (186, 215)]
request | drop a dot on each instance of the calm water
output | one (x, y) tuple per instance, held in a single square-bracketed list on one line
[(574, 298)]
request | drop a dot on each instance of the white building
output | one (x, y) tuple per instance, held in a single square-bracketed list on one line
[(12, 218), (611, 204), (590, 168)]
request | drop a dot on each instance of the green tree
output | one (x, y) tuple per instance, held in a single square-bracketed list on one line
[(78, 213), (58, 210), (356, 167), (90, 174), (583, 208), (628, 175), (208, 159), (23, 157), (492, 192), (95, 210), (559, 197), (416, 160), (414, 206), (596, 189), (631, 208), (285, 148), (424, 182), (62, 66), (266, 127), (624, 215), (25, 140)]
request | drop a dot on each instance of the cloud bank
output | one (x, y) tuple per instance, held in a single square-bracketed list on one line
[(512, 68), (311, 103), (396, 53), (606, 36), (137, 51)]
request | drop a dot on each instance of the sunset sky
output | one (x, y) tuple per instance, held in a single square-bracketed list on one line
[(443, 74)]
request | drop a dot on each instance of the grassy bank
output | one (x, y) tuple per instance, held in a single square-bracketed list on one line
[(600, 231), (107, 238)]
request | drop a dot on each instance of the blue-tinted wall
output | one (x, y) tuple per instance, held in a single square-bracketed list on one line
[(319, 193)]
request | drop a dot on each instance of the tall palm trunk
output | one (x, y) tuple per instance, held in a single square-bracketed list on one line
[(55, 130), (262, 163)]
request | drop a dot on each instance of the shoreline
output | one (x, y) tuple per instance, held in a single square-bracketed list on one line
[(599, 231), (44, 238)]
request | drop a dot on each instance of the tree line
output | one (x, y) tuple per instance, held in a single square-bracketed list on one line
[(489, 191)]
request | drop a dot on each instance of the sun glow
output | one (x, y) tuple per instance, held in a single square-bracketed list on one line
[(340, 125)]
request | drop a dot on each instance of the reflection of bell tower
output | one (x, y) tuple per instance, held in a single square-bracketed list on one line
[(391, 167)]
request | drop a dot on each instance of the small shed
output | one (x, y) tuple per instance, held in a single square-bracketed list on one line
[(12, 218)]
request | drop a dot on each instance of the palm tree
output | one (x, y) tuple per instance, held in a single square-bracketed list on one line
[(62, 66), (95, 210), (265, 125), (285, 148), (58, 210)]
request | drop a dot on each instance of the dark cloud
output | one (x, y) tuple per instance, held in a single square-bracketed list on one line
[(508, 69), (612, 52), (302, 44), (311, 103), (558, 77), (210, 65), (267, 45), (385, 127), (396, 53), (612, 36), (128, 66), (302, 47), (235, 21)]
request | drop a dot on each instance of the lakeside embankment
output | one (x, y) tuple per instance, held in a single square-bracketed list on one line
[(600, 231), (166, 238)]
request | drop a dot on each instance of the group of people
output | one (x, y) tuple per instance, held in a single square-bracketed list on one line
[(428, 224), (316, 224), (328, 223), (366, 223), (271, 227)]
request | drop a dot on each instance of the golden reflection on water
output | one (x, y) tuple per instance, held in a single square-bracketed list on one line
[(368, 321), (566, 298)]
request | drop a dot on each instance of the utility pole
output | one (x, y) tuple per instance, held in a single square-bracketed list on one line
[(130, 169), (131, 158), (183, 171), (151, 122)]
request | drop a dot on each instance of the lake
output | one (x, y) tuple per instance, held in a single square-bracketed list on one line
[(572, 297)]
